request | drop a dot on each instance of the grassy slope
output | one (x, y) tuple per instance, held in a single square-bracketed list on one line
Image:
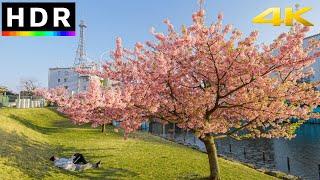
[(29, 137)]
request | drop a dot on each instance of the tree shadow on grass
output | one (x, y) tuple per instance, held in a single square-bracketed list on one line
[(108, 173), (193, 177), (27, 123), (65, 122), (32, 159), (29, 156)]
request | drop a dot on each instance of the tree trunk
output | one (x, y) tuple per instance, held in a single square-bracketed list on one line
[(103, 128), (212, 156)]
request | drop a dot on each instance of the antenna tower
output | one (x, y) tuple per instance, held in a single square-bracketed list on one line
[(81, 55)]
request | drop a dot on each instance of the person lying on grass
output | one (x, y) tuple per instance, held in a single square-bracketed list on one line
[(76, 163)]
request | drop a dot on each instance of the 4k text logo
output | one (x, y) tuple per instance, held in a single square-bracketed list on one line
[(289, 16)]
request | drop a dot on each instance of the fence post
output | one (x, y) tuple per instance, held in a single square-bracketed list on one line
[(163, 130), (319, 170), (217, 145), (174, 130), (150, 127), (288, 164), (194, 139), (230, 148), (244, 152), (263, 156)]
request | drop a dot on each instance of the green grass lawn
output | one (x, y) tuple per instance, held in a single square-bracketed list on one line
[(28, 138)]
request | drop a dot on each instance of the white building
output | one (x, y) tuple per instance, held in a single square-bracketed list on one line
[(67, 78)]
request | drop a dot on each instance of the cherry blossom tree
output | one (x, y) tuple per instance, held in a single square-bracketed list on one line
[(93, 106), (208, 79), (213, 81)]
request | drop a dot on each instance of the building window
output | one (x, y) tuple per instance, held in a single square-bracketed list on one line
[(65, 79), (85, 88), (66, 87), (58, 80)]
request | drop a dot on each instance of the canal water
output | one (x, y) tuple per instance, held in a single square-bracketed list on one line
[(299, 156)]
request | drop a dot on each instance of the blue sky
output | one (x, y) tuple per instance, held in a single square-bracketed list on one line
[(30, 57)]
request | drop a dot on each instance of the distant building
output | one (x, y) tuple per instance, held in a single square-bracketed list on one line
[(67, 78)]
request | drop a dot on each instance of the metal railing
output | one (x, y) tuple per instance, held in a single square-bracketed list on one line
[(257, 152)]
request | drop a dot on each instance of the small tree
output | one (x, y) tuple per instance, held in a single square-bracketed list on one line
[(28, 86)]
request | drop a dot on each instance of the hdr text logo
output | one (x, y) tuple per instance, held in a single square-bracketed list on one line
[(38, 19)]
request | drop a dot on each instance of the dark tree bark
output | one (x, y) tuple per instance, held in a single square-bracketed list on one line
[(208, 141), (103, 128)]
